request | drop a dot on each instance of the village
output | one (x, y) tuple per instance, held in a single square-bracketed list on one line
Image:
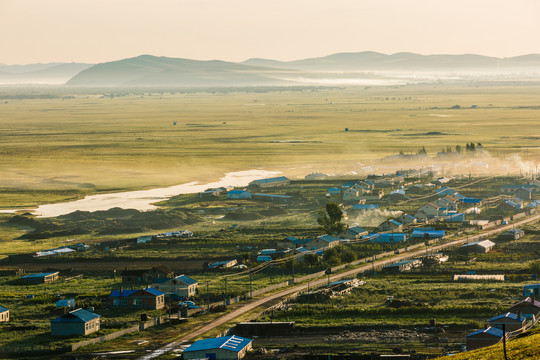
[(246, 243)]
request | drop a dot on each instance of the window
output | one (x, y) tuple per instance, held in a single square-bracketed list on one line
[(137, 301), (124, 301), (116, 302)]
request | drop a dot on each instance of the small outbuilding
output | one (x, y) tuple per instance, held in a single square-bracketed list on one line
[(221, 348), (512, 234), (76, 322), (479, 247), (40, 278), (511, 321), (483, 337), (4, 314)]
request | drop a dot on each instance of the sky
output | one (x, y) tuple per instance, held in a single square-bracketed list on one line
[(93, 31)]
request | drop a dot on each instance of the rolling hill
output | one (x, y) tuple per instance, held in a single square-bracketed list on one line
[(54, 73)]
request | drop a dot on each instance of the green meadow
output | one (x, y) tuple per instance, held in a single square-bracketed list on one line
[(70, 145)]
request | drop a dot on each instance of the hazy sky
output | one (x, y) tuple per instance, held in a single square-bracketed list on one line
[(103, 30)]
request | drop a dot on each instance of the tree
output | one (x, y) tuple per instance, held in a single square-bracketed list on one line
[(458, 148), (330, 218)]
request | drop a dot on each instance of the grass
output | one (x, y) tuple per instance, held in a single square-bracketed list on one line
[(64, 149)]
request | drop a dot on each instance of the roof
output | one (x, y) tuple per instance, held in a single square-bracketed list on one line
[(356, 230), (186, 280), (528, 300), (220, 263), (270, 180), (232, 343), (364, 206), (490, 330), (392, 221), (75, 316), (38, 275), (153, 291), (430, 233), (274, 196), (408, 216), (328, 238), (531, 286), (3, 309), (471, 201), (122, 293), (507, 315), (160, 280), (296, 241), (484, 244), (405, 262)]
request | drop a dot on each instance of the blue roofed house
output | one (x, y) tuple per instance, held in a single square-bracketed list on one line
[(239, 194), (220, 348), (511, 321), (148, 298), (483, 337), (76, 322), (427, 234), (292, 243), (271, 182), (4, 314), (322, 242), (407, 219), (182, 286)]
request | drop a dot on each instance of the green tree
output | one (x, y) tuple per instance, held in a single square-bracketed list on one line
[(330, 218), (332, 257)]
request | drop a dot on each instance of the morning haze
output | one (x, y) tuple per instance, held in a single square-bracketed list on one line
[(269, 179)]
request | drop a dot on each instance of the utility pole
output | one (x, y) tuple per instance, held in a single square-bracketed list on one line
[(504, 340), (208, 296), (250, 288), (293, 269), (225, 286)]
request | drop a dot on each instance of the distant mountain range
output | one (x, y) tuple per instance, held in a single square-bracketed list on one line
[(147, 70)]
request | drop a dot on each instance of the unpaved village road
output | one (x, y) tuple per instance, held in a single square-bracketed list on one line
[(250, 305)]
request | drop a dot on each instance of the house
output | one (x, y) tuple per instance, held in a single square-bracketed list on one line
[(144, 239), (528, 307), (182, 286), (511, 189), (511, 322), (427, 234), (512, 234), (292, 243), (76, 322), (510, 205), (391, 225), (239, 194), (315, 176), (65, 303), (531, 290), (449, 202), (145, 276), (4, 314), (211, 193), (351, 194), (226, 347), (322, 242), (333, 191), (40, 278), (223, 264), (479, 246), (148, 298), (471, 201), (454, 217), (484, 337), (271, 182), (445, 191), (430, 210), (353, 233), (407, 219), (387, 238), (524, 194), (401, 266)]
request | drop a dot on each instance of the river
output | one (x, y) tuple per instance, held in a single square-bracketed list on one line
[(143, 200)]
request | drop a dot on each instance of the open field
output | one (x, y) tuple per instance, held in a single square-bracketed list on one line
[(66, 147)]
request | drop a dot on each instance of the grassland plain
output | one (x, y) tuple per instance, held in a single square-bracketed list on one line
[(67, 147)]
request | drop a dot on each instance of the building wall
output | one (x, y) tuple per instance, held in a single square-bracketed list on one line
[(4, 317), (317, 244), (68, 329), (220, 354), (510, 324), (481, 341), (525, 309)]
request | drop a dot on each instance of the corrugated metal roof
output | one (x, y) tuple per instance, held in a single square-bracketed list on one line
[(507, 315), (79, 315), (186, 280), (123, 293), (153, 291), (3, 309), (490, 330), (431, 233), (270, 180), (232, 343), (38, 275), (328, 238)]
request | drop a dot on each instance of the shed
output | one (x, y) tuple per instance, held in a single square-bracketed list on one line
[(484, 337), (479, 246), (512, 234), (528, 307), (511, 321), (401, 266), (40, 278), (221, 348), (223, 264), (66, 303), (76, 322), (4, 314)]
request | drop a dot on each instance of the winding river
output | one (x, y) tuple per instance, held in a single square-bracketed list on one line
[(144, 199)]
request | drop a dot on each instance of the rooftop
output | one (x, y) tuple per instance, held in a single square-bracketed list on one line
[(232, 343), (79, 315)]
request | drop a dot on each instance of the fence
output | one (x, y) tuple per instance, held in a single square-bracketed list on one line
[(117, 334)]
